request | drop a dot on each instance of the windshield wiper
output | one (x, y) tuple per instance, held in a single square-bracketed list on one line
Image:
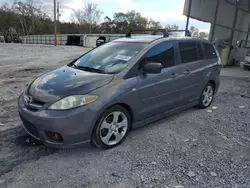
[(90, 69)]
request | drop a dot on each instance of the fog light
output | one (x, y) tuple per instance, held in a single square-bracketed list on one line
[(57, 137)]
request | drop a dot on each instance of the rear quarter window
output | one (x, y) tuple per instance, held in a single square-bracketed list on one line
[(209, 51)]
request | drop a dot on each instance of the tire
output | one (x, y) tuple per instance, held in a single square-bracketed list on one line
[(207, 96), (234, 62), (111, 128), (245, 67)]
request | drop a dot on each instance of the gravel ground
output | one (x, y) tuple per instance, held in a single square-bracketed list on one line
[(20, 64), (194, 148)]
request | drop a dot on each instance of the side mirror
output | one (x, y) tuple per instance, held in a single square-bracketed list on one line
[(153, 68)]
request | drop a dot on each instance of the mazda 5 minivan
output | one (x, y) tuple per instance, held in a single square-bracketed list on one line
[(121, 85)]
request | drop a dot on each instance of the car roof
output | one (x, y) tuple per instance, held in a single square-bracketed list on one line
[(140, 38), (152, 38)]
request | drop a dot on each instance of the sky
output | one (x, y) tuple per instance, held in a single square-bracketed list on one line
[(165, 11)]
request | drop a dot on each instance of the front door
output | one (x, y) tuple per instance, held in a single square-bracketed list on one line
[(159, 92)]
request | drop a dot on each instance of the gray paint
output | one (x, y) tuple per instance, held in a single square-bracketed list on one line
[(149, 96)]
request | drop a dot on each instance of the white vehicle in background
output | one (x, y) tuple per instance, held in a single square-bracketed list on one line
[(239, 53), (246, 64), (2, 38)]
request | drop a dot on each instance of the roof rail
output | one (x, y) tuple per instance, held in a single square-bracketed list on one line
[(154, 31), (187, 32), (164, 31)]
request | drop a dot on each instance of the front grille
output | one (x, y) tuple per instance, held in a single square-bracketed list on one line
[(37, 102), (34, 104), (30, 127)]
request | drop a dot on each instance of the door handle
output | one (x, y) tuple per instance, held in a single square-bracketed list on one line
[(174, 75), (187, 72)]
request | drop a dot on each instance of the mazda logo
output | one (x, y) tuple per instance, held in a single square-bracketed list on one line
[(29, 99)]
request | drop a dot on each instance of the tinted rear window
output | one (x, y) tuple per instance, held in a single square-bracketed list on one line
[(188, 52), (209, 51), (162, 53)]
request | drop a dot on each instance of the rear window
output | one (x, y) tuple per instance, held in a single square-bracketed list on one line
[(209, 51), (189, 52)]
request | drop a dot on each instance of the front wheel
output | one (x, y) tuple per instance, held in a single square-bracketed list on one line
[(111, 128), (207, 96)]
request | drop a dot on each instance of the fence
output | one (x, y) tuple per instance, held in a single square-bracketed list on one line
[(88, 40)]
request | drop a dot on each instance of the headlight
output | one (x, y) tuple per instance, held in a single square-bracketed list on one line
[(73, 102)]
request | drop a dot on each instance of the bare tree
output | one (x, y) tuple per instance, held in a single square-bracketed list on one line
[(90, 15), (171, 27), (27, 12)]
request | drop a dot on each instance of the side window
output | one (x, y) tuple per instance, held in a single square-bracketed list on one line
[(209, 51), (188, 52), (162, 53)]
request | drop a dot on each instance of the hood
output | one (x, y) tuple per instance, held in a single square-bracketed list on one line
[(66, 81)]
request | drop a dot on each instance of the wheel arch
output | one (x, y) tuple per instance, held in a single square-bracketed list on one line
[(213, 83), (128, 108)]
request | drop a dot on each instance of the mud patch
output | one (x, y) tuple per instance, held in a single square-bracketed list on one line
[(36, 69), (13, 81), (17, 148), (27, 140), (245, 96)]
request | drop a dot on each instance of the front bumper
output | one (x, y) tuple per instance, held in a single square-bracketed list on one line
[(75, 126)]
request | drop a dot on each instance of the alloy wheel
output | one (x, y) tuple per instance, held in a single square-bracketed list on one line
[(207, 95), (113, 128)]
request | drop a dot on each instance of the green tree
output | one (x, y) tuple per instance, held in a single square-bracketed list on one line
[(154, 24), (194, 31), (123, 22), (203, 35)]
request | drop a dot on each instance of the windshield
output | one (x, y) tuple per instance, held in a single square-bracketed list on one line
[(110, 58)]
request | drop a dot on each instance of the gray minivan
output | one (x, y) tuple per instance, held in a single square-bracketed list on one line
[(121, 85)]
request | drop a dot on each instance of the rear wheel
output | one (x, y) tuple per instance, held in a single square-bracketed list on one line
[(111, 128), (246, 67), (207, 96)]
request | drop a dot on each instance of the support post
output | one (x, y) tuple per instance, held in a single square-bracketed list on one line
[(55, 21), (214, 21), (247, 34), (234, 23), (188, 15), (58, 17)]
